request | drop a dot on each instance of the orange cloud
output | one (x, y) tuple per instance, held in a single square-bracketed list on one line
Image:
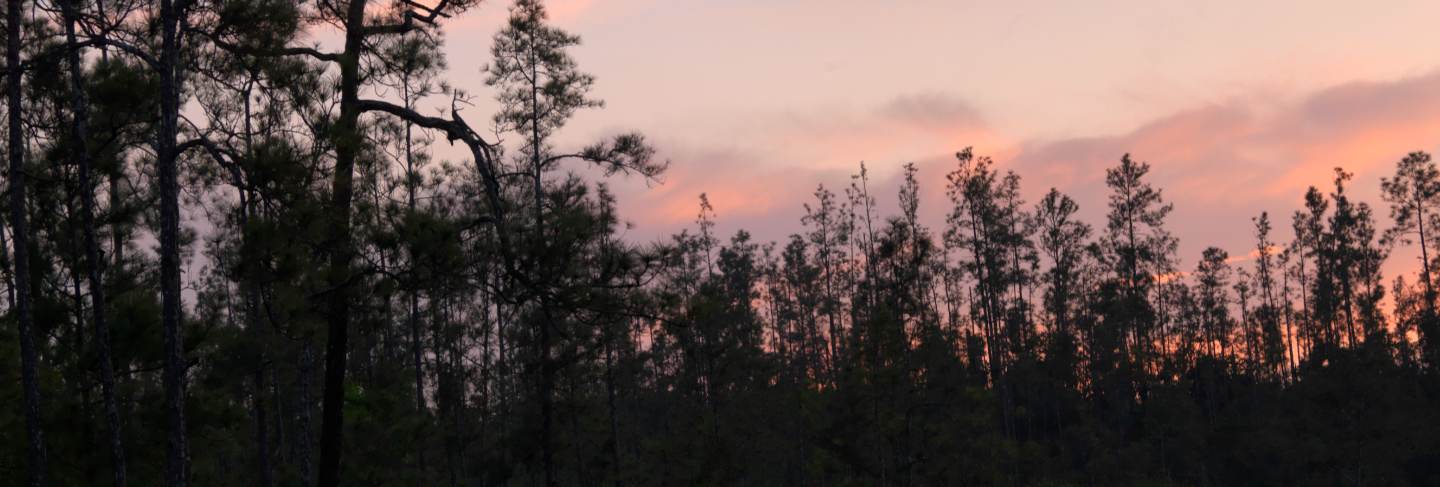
[(904, 129), (763, 180), (1220, 164), (1249, 152)]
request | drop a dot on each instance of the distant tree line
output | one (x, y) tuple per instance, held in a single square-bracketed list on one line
[(229, 258)]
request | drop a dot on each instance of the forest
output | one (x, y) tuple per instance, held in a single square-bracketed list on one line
[(231, 256)]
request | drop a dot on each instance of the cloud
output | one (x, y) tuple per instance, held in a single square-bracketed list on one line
[(1223, 164), (746, 193), (932, 110), (1220, 164), (1250, 151), (904, 128), (773, 163)]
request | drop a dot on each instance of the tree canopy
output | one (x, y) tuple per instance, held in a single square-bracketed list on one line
[(231, 256)]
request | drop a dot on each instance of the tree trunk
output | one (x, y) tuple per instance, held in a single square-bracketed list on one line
[(254, 325), (170, 297), (94, 263), (347, 145), (250, 287), (117, 234), (416, 346), (547, 372), (306, 372), (29, 359)]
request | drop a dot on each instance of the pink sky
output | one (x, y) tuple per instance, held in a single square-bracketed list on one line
[(1238, 106)]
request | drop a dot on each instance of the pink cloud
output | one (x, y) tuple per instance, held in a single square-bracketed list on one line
[(1224, 164), (1219, 164), (761, 180), (1221, 154)]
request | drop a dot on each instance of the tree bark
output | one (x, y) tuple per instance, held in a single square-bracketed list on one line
[(250, 282), (347, 145), (416, 347), (257, 332), (29, 359), (170, 297), (547, 372), (94, 263), (305, 373)]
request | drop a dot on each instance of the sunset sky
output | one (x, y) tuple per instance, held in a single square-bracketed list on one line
[(1238, 105)]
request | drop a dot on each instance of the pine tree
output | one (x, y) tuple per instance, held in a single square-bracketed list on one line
[(22, 299), (1062, 239), (1414, 194), (94, 262)]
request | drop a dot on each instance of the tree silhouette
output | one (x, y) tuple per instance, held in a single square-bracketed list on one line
[(486, 320)]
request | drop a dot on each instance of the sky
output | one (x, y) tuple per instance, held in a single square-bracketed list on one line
[(1238, 106)]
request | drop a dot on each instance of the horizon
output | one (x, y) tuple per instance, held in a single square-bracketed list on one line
[(1215, 96), (471, 242)]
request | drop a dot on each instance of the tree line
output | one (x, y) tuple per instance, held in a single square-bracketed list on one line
[(230, 258)]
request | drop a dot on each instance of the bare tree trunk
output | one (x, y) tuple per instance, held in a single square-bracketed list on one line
[(29, 360), (307, 365), (250, 287), (1429, 318), (170, 316), (257, 331), (347, 146), (5, 268), (117, 236), (547, 372), (416, 346), (94, 263)]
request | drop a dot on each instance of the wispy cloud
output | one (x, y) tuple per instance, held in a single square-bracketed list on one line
[(1220, 164), (768, 166)]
